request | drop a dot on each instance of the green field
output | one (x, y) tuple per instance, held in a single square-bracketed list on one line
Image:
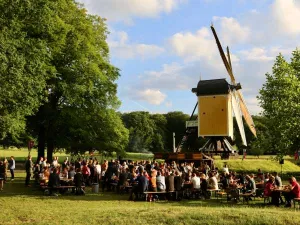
[(255, 164), (20, 205), (21, 154)]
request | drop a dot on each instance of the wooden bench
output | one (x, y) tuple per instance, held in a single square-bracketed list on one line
[(45, 187), (221, 194), (147, 193), (213, 191), (246, 196)]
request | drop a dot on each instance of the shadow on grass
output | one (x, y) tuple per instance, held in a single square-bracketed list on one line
[(17, 188), (216, 203)]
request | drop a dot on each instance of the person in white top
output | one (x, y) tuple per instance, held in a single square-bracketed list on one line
[(212, 182), (196, 181), (55, 161), (225, 169)]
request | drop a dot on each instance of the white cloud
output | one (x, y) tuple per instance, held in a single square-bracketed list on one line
[(126, 10), (194, 46), (232, 31), (152, 96), (256, 54), (121, 47), (286, 16)]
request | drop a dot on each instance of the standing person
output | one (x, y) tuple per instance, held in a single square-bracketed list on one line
[(5, 162), (225, 169), (12, 166), (28, 168), (2, 175)]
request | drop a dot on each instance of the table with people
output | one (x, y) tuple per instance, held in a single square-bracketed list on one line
[(172, 181)]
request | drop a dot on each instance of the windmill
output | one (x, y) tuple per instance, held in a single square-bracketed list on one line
[(217, 100)]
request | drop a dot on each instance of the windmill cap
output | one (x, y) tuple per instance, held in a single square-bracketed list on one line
[(212, 87)]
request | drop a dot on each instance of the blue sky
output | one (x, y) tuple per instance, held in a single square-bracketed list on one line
[(163, 46)]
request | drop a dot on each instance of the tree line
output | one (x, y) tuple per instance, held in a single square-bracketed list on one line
[(58, 87)]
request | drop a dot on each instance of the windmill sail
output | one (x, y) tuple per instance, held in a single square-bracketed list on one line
[(244, 109), (246, 113), (238, 116)]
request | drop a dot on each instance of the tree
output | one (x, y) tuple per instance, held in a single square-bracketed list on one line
[(24, 63), (81, 93), (141, 131), (159, 134), (280, 100), (102, 131), (176, 122)]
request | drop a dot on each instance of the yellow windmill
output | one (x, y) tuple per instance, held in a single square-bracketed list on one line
[(217, 99)]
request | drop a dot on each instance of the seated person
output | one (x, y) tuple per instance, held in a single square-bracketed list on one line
[(269, 187), (231, 182), (71, 173), (64, 173), (241, 179), (196, 181), (46, 174), (153, 186), (160, 182), (54, 181), (212, 182), (294, 191), (224, 180), (250, 187)]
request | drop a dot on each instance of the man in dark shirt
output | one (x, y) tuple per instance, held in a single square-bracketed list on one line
[(169, 182), (169, 185), (28, 168), (178, 185), (54, 182), (203, 186), (78, 182)]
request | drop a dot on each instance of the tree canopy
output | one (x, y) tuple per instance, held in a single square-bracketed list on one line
[(280, 100), (56, 69)]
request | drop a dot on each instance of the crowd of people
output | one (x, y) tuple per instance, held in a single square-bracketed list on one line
[(153, 176)]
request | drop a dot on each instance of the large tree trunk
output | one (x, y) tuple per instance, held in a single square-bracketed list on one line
[(50, 149), (41, 142)]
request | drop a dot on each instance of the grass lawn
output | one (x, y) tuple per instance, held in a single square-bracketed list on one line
[(266, 165), (21, 154), (20, 205)]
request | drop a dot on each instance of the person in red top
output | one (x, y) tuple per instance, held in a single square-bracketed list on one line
[(269, 187), (294, 193)]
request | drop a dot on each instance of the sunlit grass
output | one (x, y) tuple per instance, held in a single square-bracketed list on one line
[(21, 205)]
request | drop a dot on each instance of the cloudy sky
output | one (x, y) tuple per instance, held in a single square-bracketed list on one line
[(163, 47)]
